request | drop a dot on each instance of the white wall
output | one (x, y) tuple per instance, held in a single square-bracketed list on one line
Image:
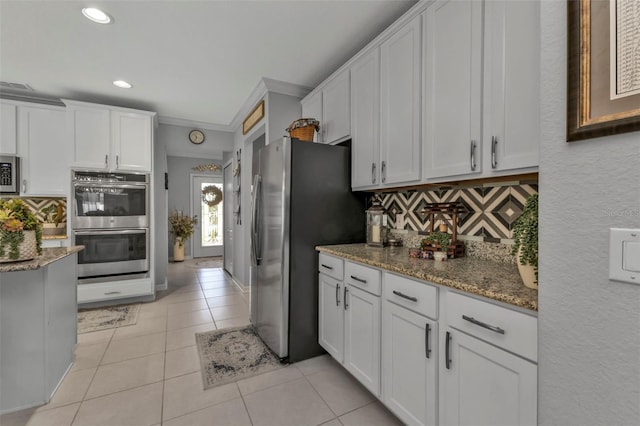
[(176, 139), (160, 231), (589, 327)]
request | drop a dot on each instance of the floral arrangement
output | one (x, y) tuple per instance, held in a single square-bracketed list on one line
[(525, 234), (15, 218), (182, 226)]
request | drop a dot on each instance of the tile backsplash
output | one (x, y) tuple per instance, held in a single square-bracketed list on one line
[(37, 204), (490, 211)]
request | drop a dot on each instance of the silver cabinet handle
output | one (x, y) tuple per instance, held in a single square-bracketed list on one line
[(404, 296), (494, 159), (493, 328), (117, 161), (427, 349), (473, 155), (344, 297), (24, 185), (384, 171), (337, 294), (327, 266), (112, 292), (106, 161), (373, 172), (363, 281)]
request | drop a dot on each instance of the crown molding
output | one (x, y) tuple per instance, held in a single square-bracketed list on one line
[(193, 123)]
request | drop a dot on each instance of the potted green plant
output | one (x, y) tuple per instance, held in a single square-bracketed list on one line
[(525, 242), (20, 231), (52, 217), (440, 241), (182, 227)]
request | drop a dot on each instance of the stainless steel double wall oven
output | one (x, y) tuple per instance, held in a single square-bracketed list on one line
[(111, 219)]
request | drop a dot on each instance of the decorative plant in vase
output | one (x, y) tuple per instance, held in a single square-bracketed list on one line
[(182, 227), (525, 242), (20, 231), (52, 218), (441, 239)]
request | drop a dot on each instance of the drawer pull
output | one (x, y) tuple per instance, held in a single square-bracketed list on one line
[(447, 351), (327, 266), (483, 324), (427, 350), (111, 292), (404, 296), (359, 279)]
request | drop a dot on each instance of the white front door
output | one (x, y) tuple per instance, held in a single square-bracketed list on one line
[(208, 205)]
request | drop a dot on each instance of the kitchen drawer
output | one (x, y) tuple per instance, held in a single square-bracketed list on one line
[(363, 277), (415, 295), (513, 331), (331, 266), (114, 290)]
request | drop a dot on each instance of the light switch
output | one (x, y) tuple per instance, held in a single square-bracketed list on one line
[(624, 255), (631, 256)]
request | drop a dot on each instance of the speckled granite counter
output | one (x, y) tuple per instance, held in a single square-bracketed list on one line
[(49, 255), (494, 280)]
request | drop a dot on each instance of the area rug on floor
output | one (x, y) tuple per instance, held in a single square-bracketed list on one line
[(216, 262), (104, 318), (233, 354)]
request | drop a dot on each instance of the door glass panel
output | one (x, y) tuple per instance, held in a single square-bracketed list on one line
[(211, 214)]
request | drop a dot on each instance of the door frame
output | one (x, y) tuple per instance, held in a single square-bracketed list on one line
[(191, 203), (226, 220)]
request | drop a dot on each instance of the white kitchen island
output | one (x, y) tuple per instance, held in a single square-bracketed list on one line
[(38, 326)]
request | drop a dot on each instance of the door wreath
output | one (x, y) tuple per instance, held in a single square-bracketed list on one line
[(211, 195)]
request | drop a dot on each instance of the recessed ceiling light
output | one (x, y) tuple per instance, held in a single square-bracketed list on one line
[(96, 15), (122, 84)]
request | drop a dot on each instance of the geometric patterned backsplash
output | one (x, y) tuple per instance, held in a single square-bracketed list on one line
[(37, 204), (490, 210)]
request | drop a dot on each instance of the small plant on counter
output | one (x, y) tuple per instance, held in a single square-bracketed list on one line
[(436, 237), (52, 213), (182, 226), (525, 235), (15, 219)]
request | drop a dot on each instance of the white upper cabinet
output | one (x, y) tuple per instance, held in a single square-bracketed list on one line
[(452, 89), (44, 151), (512, 84), (400, 144), (8, 128), (110, 138), (365, 118), (335, 109), (312, 108)]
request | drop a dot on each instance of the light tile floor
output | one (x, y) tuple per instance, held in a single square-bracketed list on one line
[(149, 373)]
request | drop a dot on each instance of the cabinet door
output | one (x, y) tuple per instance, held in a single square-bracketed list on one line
[(44, 152), (409, 365), (400, 73), (452, 88), (362, 337), (312, 108), (365, 121), (485, 385), (91, 135), (335, 108), (330, 316), (8, 126), (132, 135), (512, 84)]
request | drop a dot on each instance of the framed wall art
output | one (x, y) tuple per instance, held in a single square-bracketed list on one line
[(603, 86), (254, 116)]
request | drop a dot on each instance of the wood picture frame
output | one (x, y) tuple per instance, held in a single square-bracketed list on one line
[(595, 105), (253, 118)]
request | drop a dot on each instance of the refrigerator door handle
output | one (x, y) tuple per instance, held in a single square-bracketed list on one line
[(255, 217)]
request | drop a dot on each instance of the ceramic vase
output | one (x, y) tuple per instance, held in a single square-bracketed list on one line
[(439, 256), (527, 273), (178, 250)]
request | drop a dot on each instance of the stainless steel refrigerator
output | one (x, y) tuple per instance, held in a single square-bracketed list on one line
[(301, 198)]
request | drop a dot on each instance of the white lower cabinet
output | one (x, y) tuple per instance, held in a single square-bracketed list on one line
[(409, 365), (330, 316), (484, 385)]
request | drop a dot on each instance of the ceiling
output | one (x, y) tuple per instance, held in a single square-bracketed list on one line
[(187, 60)]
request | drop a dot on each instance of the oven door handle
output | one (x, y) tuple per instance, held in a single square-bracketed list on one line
[(112, 232), (80, 184)]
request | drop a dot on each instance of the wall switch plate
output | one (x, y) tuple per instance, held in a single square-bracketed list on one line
[(624, 255)]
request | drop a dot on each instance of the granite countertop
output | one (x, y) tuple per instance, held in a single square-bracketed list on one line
[(49, 255), (494, 280)]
